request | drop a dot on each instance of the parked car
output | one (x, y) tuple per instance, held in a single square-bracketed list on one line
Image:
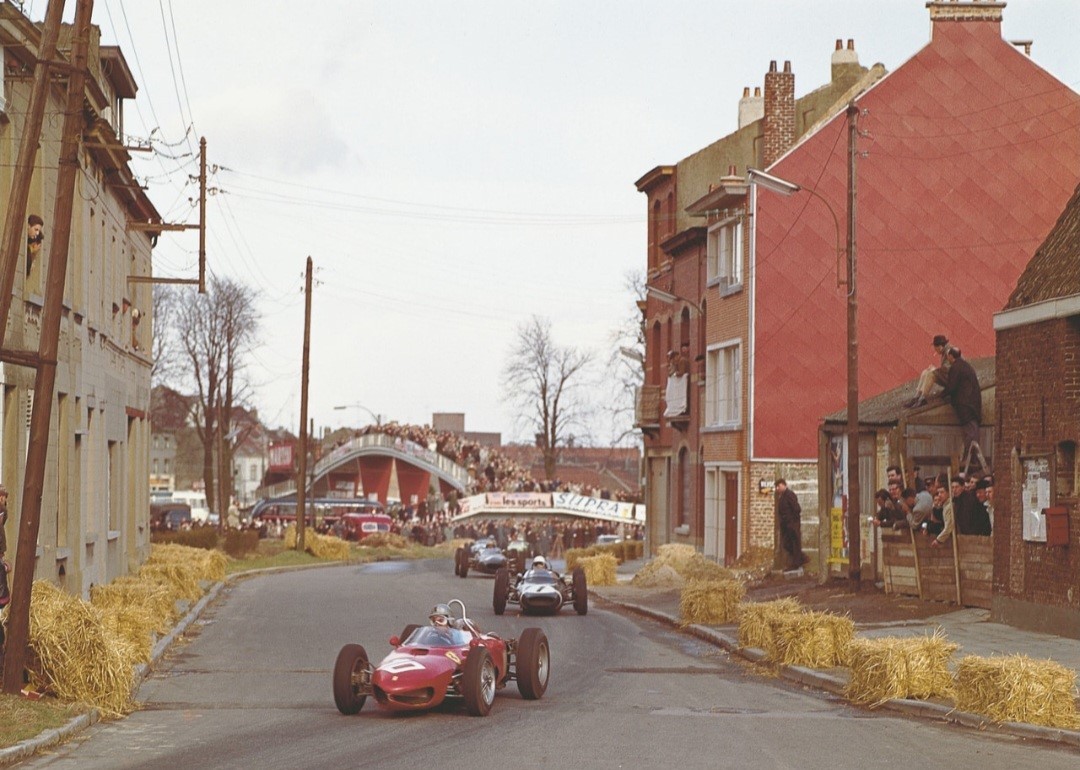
[(165, 517)]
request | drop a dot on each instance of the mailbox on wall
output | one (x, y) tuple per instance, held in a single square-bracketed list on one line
[(1057, 525)]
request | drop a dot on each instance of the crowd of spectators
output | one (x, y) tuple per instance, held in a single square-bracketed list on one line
[(489, 469), (937, 505)]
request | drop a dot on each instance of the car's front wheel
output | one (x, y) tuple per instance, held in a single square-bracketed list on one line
[(581, 591), (351, 675), (533, 662), (478, 682), (502, 591)]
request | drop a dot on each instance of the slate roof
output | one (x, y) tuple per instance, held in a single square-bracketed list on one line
[(1054, 271), (972, 153), (887, 408)]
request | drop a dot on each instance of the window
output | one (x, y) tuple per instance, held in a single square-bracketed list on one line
[(723, 385), (724, 254)]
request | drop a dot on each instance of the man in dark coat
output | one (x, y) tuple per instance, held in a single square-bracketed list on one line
[(962, 390), (789, 512)]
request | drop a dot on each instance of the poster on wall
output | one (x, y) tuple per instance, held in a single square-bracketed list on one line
[(838, 545), (1034, 497)]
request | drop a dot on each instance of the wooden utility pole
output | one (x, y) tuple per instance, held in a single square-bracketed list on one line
[(301, 475), (854, 524), (160, 227), (14, 238), (18, 626)]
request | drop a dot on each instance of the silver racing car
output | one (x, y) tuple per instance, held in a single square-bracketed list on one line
[(541, 590)]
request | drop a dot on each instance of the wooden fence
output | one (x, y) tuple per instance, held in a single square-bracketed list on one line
[(959, 571)]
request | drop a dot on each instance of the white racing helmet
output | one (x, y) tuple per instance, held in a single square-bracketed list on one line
[(440, 615), (539, 562)]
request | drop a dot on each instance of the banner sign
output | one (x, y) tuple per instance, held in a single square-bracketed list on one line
[(519, 500), (595, 506)]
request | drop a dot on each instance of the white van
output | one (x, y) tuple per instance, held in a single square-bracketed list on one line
[(200, 512)]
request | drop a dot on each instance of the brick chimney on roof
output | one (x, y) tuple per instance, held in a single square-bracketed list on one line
[(779, 112), (965, 10)]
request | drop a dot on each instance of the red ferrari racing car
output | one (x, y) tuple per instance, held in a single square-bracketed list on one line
[(451, 658)]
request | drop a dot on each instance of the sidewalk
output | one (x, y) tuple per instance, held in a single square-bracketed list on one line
[(969, 628)]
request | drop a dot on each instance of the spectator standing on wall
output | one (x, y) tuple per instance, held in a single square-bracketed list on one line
[(963, 391)]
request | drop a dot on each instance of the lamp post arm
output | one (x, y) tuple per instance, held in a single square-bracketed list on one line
[(836, 224)]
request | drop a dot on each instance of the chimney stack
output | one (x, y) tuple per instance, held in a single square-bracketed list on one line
[(965, 10), (845, 62), (751, 108), (779, 112)]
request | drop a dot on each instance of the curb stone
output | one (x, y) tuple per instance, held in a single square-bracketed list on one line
[(823, 681)]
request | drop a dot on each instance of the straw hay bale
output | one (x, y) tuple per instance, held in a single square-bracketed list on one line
[(711, 602), (656, 575), (685, 561), (1016, 688), (891, 667), (152, 597), (811, 639), (575, 555), (396, 541), (204, 564), (327, 547), (755, 629), (599, 570), (75, 655)]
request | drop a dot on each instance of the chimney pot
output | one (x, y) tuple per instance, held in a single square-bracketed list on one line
[(839, 44), (787, 66), (772, 66), (757, 90), (850, 44), (731, 170), (745, 91)]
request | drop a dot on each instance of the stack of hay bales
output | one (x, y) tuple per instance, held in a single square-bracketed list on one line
[(599, 570), (319, 546), (575, 555), (887, 668), (75, 655), (396, 541), (1016, 688), (710, 602), (675, 564), (86, 652)]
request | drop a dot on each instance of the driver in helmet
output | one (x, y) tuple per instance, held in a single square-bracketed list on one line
[(441, 621), (539, 564)]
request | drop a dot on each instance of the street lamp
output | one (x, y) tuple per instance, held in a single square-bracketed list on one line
[(784, 187), (671, 299), (376, 417)]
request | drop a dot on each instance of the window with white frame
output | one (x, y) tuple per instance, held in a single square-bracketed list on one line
[(723, 384), (724, 253)]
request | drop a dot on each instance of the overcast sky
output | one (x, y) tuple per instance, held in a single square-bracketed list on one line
[(454, 168)]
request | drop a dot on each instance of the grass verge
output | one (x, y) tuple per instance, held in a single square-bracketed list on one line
[(22, 719)]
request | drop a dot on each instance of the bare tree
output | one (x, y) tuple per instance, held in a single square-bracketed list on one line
[(164, 346), (214, 331), (544, 381), (627, 361)]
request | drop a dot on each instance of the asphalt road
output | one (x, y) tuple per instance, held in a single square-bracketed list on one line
[(251, 688)]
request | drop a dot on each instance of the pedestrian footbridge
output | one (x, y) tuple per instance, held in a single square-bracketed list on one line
[(365, 465)]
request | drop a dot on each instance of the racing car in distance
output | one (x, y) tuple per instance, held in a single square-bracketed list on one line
[(541, 590), (450, 659), (486, 556)]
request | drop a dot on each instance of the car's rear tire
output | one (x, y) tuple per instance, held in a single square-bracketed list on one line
[(408, 630), (457, 560), (351, 664), (478, 682), (502, 591), (581, 591), (463, 566), (533, 663)]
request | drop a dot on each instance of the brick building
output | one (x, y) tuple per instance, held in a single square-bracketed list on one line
[(953, 138), (695, 426), (1037, 565)]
